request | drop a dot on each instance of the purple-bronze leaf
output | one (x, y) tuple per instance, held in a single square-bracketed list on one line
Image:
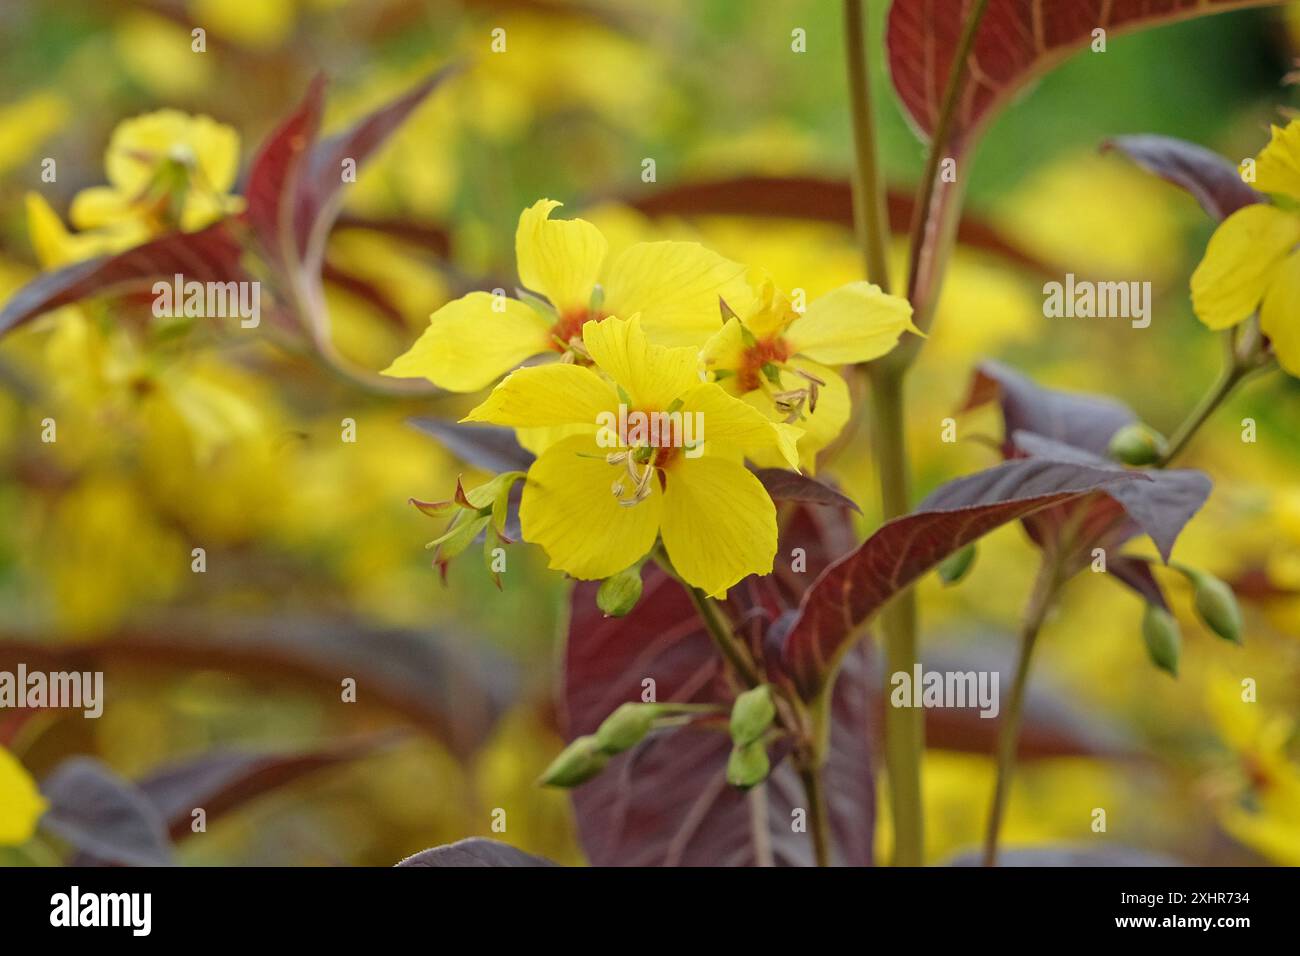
[(100, 814), (1135, 574), (475, 851), (483, 446), (1161, 506), (1213, 181), (846, 596), (785, 485), (1084, 421)]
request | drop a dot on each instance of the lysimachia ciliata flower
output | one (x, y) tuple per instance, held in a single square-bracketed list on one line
[(166, 170), (782, 361), (1253, 260), (596, 511), (474, 340)]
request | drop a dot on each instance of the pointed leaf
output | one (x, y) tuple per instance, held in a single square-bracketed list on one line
[(475, 851), (209, 255), (785, 485), (1214, 182), (483, 446), (1017, 41), (103, 815), (849, 593)]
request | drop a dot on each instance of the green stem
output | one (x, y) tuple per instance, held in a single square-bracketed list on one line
[(1229, 379), (870, 213), (1046, 589), (723, 638), (818, 822), (904, 726)]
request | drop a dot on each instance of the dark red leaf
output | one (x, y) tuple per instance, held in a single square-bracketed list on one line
[(666, 801), (277, 175), (219, 781), (1017, 41), (1212, 180), (455, 690), (319, 195), (475, 851), (846, 596), (814, 199), (209, 255), (785, 485)]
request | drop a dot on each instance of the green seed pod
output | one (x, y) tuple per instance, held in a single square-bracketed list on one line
[(748, 765), (751, 715), (955, 567), (626, 727), (1163, 640), (619, 593), (1138, 444), (1216, 605), (577, 763)]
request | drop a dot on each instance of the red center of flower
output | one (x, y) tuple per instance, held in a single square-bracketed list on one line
[(569, 327), (750, 374)]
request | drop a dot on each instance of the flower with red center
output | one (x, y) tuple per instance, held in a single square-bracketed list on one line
[(474, 340)]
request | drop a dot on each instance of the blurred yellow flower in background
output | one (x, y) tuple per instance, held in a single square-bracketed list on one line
[(21, 804)]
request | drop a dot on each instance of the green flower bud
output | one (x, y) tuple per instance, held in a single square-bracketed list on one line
[(1216, 605), (1163, 640), (577, 763), (748, 765), (751, 715), (1138, 444), (626, 727), (954, 567), (619, 593)]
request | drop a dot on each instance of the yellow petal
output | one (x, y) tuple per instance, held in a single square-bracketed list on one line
[(139, 144), (538, 439), (1279, 316), (560, 258), (1239, 263), (469, 344), (569, 509), (557, 394), (732, 423), (725, 350), (21, 803), (652, 375), (216, 147), (719, 525), (855, 323), (675, 286), (53, 244), (820, 428), (98, 206), (1277, 168)]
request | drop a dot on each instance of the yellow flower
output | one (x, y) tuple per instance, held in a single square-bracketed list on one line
[(166, 170), (596, 511), (21, 803), (779, 359), (1252, 262), (1259, 793), (474, 340)]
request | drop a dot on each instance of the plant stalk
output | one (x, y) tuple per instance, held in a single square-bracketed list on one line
[(1044, 595), (818, 821), (870, 213)]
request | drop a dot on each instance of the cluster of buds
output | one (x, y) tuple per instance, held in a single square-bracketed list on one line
[(476, 512)]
